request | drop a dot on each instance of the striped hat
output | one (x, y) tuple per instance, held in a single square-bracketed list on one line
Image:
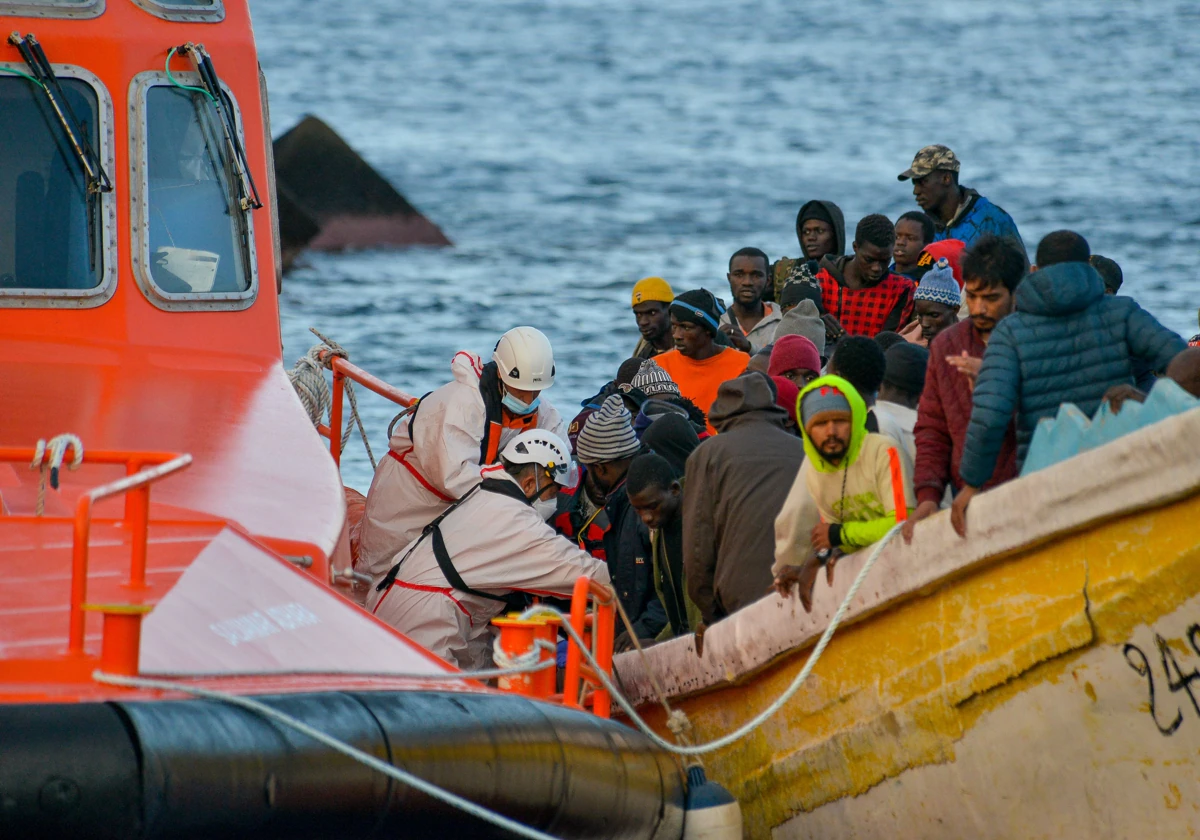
[(652, 380), (938, 285), (607, 435)]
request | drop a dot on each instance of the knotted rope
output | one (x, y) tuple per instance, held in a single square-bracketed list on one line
[(308, 379), (48, 458)]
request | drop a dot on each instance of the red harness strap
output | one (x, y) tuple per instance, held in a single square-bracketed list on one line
[(420, 478)]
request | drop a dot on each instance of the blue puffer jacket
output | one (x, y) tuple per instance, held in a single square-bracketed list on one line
[(975, 217), (1066, 342)]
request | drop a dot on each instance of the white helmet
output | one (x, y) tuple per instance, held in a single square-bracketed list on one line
[(525, 359), (538, 446)]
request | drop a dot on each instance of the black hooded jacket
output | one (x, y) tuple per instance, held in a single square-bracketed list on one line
[(801, 269)]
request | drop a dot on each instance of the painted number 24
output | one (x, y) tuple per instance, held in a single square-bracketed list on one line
[(1177, 680)]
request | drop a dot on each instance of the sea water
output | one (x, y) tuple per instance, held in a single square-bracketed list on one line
[(570, 148)]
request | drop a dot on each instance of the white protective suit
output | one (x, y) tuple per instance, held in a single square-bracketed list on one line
[(444, 451), (498, 544)]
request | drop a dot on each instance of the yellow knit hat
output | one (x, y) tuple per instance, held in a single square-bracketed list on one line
[(652, 288)]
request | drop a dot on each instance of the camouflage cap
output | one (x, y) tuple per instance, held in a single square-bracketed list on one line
[(930, 159)]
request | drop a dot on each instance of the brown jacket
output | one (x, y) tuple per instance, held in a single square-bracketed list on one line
[(735, 487)]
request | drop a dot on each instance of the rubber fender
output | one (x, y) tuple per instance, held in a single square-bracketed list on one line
[(215, 770), (568, 773), (200, 768), (67, 770)]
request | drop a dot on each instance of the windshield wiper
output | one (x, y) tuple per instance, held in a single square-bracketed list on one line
[(97, 179), (247, 192)]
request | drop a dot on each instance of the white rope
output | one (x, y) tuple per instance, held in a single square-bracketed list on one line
[(48, 457), (524, 663), (679, 723), (428, 788)]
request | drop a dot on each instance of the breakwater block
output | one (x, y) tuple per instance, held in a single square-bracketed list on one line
[(331, 199)]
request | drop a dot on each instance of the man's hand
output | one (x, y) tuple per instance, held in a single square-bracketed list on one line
[(913, 335), (958, 511), (820, 538), (1117, 394), (804, 577), (624, 642), (739, 341), (923, 511), (967, 365), (833, 328)]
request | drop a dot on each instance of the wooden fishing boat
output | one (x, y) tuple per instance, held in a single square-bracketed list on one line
[(140, 345), (1037, 679)]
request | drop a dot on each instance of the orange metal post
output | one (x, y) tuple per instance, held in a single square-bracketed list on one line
[(603, 626), (122, 638), (137, 516), (79, 569), (335, 418)]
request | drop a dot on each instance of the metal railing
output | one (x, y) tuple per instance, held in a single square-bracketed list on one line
[(141, 470), (343, 370)]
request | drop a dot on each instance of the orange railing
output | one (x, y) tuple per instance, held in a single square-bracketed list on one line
[(603, 624), (141, 470), (343, 370)]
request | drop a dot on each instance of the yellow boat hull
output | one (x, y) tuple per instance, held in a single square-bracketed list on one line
[(1044, 690)]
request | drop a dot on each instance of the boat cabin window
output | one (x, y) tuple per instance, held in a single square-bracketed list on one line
[(201, 11), (55, 236), (53, 8), (195, 239)]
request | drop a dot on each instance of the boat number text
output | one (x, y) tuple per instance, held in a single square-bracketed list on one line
[(1177, 679)]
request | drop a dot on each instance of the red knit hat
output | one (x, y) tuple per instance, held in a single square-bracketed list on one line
[(952, 251), (793, 352), (786, 395)]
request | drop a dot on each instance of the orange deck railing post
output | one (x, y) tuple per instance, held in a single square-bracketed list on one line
[(335, 417), (603, 627), (137, 520), (79, 570)]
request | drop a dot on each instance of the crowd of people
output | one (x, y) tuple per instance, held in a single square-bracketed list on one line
[(749, 446)]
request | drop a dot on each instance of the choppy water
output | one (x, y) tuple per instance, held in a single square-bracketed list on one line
[(569, 148)]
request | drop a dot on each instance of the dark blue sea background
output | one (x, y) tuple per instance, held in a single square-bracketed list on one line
[(570, 148)]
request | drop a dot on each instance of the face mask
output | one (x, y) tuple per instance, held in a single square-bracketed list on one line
[(520, 408), (546, 508)]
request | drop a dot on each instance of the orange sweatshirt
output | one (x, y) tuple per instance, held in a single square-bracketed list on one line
[(699, 381)]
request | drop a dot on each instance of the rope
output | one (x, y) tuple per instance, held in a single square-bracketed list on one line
[(48, 457), (276, 716), (527, 662), (761, 717), (677, 721), (308, 379)]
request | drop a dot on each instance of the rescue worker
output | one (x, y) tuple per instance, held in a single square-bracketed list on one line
[(436, 451), (445, 587)]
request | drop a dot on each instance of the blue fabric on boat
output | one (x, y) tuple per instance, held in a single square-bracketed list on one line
[(1070, 432), (1067, 342)]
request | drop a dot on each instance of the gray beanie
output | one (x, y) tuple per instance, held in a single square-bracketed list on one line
[(653, 381), (804, 320), (608, 434)]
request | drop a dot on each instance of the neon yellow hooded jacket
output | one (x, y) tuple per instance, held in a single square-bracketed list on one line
[(858, 494)]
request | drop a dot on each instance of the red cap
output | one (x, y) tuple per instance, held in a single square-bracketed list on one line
[(786, 395), (952, 250)]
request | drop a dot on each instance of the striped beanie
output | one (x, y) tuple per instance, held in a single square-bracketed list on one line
[(607, 435), (652, 380), (938, 285)]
